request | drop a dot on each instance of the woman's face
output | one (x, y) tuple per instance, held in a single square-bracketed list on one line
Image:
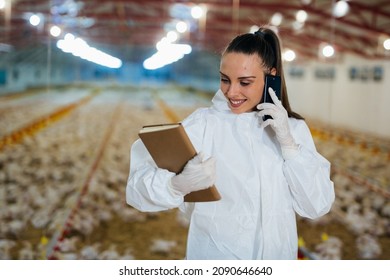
[(242, 81)]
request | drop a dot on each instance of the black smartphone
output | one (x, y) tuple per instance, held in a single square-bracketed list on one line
[(273, 82)]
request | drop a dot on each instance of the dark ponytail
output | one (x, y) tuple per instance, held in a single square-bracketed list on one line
[(266, 44)]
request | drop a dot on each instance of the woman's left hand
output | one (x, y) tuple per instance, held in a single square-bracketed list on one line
[(279, 121)]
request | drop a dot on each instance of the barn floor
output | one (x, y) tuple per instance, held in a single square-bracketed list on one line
[(64, 162)]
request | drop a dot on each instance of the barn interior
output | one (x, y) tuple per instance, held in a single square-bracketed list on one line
[(78, 79)]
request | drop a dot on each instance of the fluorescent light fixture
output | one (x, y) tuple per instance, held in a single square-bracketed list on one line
[(78, 47), (167, 53), (172, 36)]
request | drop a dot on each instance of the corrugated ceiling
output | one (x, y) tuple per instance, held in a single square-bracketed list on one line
[(121, 24)]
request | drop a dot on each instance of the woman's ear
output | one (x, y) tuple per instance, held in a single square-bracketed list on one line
[(273, 71)]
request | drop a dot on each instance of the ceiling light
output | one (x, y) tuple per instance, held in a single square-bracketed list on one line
[(162, 43), (35, 20), (328, 51), (253, 29), (276, 19), (78, 47), (386, 44), (301, 16), (289, 55), (55, 31), (340, 9), (2, 4), (181, 27), (197, 12), (167, 53), (69, 37), (172, 36)]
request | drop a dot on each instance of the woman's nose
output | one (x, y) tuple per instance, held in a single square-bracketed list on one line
[(233, 90)]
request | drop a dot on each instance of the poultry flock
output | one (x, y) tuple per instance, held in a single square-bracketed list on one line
[(64, 163)]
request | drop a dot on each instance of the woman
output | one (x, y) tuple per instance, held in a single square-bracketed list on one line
[(266, 171)]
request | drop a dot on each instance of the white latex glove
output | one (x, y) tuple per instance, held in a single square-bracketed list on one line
[(279, 124), (198, 174)]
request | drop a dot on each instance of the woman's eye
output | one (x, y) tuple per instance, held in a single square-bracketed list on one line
[(224, 80), (245, 84)]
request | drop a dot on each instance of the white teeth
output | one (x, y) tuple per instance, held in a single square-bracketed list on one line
[(237, 102)]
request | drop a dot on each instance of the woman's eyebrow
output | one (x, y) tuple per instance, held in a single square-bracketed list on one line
[(240, 78), (246, 77), (223, 74)]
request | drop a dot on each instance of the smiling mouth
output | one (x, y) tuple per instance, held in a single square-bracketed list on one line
[(236, 103)]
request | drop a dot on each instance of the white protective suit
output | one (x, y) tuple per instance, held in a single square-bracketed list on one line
[(261, 192)]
